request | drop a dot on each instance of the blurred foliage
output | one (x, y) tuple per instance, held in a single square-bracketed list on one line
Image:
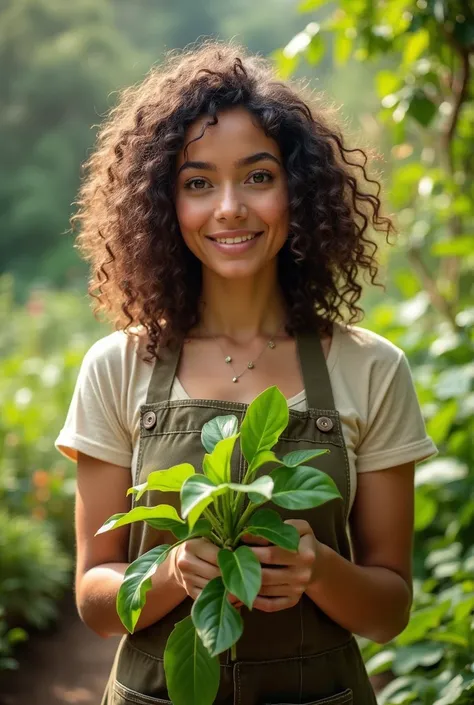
[(62, 65), (424, 52), (41, 347), (34, 570), (59, 63)]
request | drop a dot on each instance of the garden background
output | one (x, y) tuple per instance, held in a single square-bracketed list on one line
[(401, 75)]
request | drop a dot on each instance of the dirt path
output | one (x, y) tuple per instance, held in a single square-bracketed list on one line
[(67, 665)]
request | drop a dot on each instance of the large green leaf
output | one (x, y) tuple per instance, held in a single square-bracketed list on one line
[(264, 457), (192, 675), (170, 480), (216, 465), (460, 246), (410, 657), (137, 581), (196, 494), (217, 622), (425, 509), (380, 663), (163, 516), (421, 108), (242, 573), (260, 490), (218, 428), (298, 457), (269, 525), (266, 418), (387, 82), (302, 487), (421, 622), (415, 45)]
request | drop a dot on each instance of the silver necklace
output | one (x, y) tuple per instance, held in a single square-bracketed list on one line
[(251, 363)]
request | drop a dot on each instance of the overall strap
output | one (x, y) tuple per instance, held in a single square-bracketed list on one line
[(163, 374), (314, 371)]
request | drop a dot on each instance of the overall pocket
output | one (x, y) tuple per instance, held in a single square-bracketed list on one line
[(125, 696), (344, 698)]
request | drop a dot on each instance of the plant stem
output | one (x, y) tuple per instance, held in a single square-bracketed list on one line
[(251, 507), (236, 540), (216, 525), (227, 502), (217, 539), (240, 496), (233, 652)]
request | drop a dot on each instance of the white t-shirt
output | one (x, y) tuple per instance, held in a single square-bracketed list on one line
[(372, 386)]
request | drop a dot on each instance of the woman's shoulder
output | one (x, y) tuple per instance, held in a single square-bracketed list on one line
[(118, 350), (364, 346)]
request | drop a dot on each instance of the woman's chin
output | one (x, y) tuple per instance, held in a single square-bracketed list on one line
[(236, 270)]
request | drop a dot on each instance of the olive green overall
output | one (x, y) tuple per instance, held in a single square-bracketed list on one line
[(297, 655)]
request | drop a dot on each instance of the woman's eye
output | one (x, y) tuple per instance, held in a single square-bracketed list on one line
[(261, 177), (196, 184)]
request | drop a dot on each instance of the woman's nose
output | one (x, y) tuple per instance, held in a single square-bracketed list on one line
[(230, 205)]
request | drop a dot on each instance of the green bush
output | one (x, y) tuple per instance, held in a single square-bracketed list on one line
[(432, 661), (34, 571)]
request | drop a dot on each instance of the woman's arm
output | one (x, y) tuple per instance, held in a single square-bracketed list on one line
[(372, 596), (102, 560)]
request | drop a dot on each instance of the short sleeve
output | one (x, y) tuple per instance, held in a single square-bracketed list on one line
[(93, 423), (395, 431)]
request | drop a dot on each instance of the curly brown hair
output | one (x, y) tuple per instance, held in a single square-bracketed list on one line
[(142, 272)]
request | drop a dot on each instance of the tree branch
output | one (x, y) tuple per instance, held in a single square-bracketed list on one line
[(450, 266), (429, 284), (460, 88)]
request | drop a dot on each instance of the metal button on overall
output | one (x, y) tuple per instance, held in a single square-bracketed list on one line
[(325, 424), (149, 419)]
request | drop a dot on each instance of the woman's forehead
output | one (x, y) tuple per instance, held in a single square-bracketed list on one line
[(236, 135)]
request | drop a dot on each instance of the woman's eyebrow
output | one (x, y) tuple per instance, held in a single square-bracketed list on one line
[(246, 161)]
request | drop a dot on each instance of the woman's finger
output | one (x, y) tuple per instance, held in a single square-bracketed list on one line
[(275, 576), (274, 555), (197, 582), (288, 591), (300, 525), (190, 565), (234, 601), (204, 550), (255, 540)]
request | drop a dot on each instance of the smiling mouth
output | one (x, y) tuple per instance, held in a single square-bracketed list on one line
[(235, 240)]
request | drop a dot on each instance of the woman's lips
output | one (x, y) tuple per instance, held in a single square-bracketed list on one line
[(234, 247)]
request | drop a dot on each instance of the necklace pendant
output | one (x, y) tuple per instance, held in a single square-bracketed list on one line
[(228, 359), (250, 365), (235, 379), (271, 344)]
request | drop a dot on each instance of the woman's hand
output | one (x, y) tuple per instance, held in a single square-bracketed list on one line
[(194, 564), (283, 586)]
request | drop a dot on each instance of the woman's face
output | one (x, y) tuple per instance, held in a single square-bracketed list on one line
[(231, 195)]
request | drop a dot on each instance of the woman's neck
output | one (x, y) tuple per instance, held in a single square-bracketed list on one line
[(242, 309)]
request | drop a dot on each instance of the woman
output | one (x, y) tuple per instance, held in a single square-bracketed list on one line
[(227, 226)]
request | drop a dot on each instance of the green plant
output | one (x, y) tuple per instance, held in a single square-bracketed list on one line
[(34, 570), (211, 506)]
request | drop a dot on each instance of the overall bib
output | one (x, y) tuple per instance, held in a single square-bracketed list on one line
[(297, 655)]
